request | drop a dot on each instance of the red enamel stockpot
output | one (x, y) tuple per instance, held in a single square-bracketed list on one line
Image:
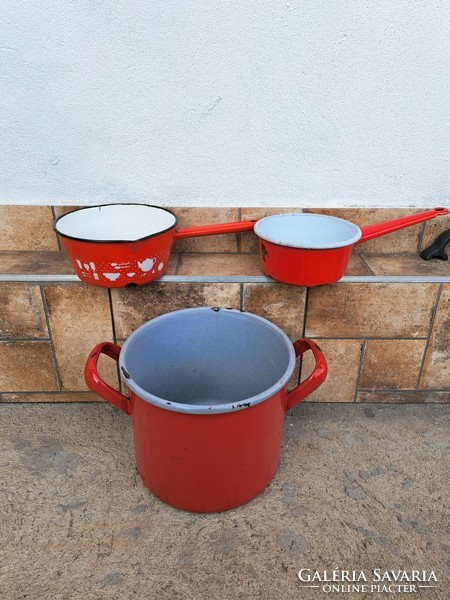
[(311, 249), (207, 402), (123, 245)]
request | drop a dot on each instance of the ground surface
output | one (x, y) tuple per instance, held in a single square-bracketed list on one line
[(359, 487)]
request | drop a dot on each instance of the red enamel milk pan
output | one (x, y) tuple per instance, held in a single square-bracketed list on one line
[(123, 245), (311, 249)]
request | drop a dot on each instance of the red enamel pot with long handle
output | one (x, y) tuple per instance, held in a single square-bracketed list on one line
[(311, 249), (123, 245), (207, 402)]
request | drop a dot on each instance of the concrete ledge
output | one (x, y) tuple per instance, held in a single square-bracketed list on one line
[(230, 279), (44, 266)]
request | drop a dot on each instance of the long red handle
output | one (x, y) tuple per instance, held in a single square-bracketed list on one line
[(215, 229), (373, 231), (316, 378), (96, 383)]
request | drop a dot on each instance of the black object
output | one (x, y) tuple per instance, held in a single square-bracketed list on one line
[(437, 248)]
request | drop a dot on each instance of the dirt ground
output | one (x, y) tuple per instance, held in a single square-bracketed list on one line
[(359, 487)]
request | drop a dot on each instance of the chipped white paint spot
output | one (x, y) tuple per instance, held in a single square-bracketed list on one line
[(92, 266), (86, 266), (96, 276), (112, 276), (131, 274), (160, 266), (79, 263), (146, 265)]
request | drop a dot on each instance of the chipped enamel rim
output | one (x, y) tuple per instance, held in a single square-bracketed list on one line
[(123, 212), (311, 231), (205, 409)]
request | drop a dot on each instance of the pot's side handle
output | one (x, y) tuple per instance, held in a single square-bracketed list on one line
[(96, 383), (373, 231), (316, 378)]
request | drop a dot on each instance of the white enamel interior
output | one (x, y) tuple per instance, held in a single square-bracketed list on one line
[(307, 230), (115, 222)]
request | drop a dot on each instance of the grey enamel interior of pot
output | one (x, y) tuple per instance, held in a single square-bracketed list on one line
[(207, 361)]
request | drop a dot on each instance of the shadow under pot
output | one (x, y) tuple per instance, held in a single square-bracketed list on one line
[(124, 245), (208, 395)]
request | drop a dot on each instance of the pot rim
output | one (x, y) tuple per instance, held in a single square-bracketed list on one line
[(91, 241), (305, 216), (202, 409)]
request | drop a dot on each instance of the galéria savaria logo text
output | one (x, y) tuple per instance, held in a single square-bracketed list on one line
[(393, 581)]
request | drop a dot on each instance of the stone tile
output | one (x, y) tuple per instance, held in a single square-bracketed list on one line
[(405, 264), (356, 266), (436, 369), (404, 240), (79, 318), (280, 304), (35, 262), (173, 264), (219, 264), (190, 217), (22, 313), (343, 358), (63, 210), (27, 367), (401, 397), (27, 228), (249, 241), (133, 307), (392, 364), (434, 228), (387, 310), (38, 397), (283, 305)]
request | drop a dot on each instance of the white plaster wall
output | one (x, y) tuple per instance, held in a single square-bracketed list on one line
[(186, 102)]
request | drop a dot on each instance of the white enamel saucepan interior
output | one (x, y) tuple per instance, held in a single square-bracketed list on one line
[(116, 223), (307, 230)]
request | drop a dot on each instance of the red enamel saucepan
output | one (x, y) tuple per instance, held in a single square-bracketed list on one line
[(311, 249), (123, 245)]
